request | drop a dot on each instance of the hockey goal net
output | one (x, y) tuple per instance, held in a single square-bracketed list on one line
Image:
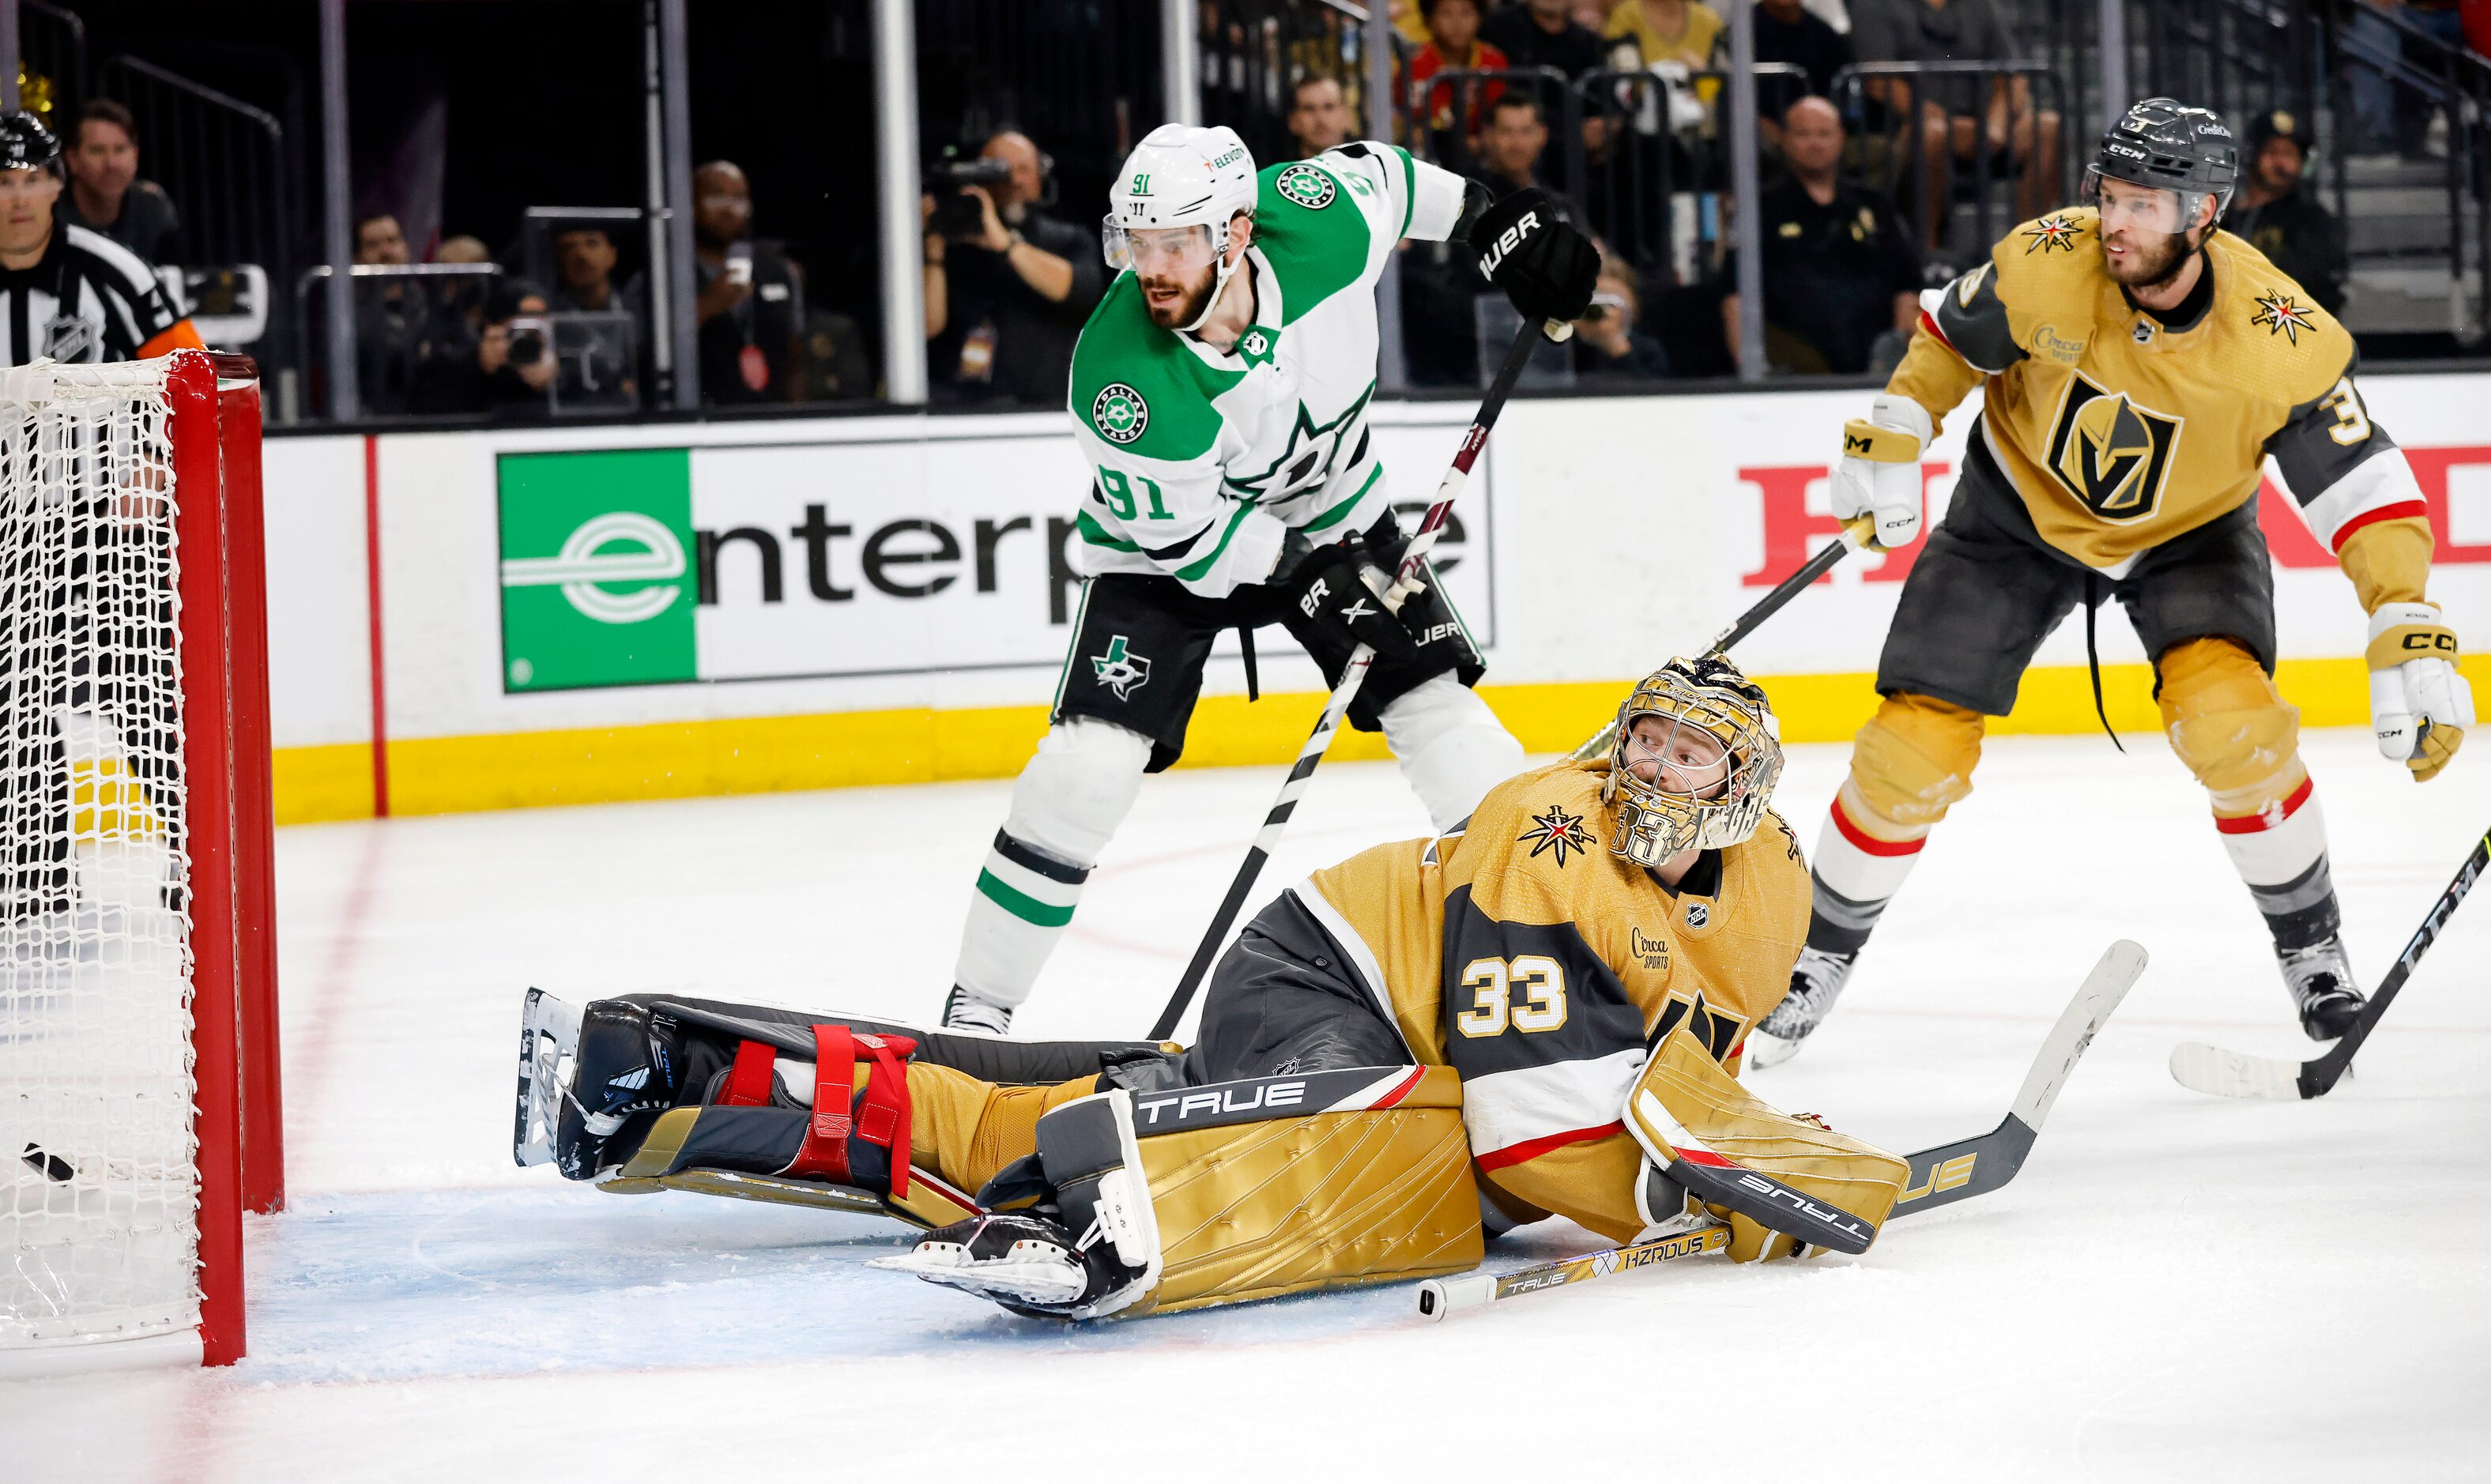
[(138, 1068)]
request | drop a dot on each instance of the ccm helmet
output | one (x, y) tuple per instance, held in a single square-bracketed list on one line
[(2164, 143)]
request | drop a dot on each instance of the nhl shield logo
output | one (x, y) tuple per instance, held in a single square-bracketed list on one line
[(70, 338), (1306, 184), (1119, 414), (1697, 915)]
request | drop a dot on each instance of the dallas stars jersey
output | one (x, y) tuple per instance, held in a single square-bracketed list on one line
[(1520, 952), (1200, 461), (2120, 433)]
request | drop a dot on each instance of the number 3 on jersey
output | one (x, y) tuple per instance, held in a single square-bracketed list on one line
[(1118, 491), (1495, 983)]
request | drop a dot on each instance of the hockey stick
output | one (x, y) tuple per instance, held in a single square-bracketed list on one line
[(1854, 535), (2224, 1073), (1354, 675), (1939, 1176)]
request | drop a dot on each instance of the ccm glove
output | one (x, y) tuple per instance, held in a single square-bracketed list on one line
[(1879, 474), (1339, 588), (2419, 705), (1544, 266)]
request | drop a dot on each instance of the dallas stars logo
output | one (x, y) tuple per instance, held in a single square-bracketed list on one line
[(1557, 830), (1120, 414), (1309, 187), (1120, 669), (2282, 316), (2051, 232)]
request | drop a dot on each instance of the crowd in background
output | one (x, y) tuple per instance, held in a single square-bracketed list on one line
[(1867, 180)]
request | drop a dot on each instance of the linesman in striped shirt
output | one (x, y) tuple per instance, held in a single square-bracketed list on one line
[(67, 292)]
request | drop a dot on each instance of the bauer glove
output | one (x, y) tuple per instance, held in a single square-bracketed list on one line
[(1879, 474), (2419, 705), (1340, 589), (1544, 266)]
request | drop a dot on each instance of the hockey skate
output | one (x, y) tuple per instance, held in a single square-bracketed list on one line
[(2323, 988), (965, 1009), (626, 1068), (1816, 983)]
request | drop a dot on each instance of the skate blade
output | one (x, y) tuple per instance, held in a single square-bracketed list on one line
[(1764, 1051), (2220, 1073), (549, 1048), (1016, 1279)]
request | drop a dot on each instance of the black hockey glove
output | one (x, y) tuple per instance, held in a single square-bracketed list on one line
[(1336, 587), (1546, 268)]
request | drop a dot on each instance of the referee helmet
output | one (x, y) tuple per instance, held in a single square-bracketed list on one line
[(26, 144)]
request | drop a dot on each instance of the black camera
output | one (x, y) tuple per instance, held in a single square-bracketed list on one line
[(956, 215)]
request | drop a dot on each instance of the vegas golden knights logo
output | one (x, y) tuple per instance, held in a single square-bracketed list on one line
[(2110, 454), (1718, 1032)]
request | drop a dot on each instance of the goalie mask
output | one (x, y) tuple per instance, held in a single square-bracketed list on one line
[(1696, 757)]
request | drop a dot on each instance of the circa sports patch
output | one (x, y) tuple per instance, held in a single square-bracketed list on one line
[(1308, 185), (1120, 414)]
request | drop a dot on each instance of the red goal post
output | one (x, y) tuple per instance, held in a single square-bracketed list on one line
[(136, 850)]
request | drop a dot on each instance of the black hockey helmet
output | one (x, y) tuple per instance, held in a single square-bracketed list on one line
[(26, 144), (2163, 142)]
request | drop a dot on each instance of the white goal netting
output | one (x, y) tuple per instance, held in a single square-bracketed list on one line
[(98, 1184)]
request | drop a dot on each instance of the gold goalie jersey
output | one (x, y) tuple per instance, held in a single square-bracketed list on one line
[(2119, 431), (1519, 950)]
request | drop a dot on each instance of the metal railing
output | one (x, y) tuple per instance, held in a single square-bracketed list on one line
[(1255, 53), (221, 160), (52, 42), (1890, 127), (376, 359)]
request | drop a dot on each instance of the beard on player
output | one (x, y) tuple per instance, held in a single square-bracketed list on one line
[(1174, 300)]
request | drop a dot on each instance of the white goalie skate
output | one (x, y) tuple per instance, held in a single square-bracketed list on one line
[(1816, 983), (548, 1050)]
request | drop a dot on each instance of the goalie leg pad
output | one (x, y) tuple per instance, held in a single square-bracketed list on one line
[(1772, 1172)]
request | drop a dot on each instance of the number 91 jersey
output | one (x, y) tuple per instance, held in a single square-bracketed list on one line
[(1520, 950), (1202, 460)]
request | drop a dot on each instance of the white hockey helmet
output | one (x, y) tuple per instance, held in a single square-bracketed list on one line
[(1176, 195)]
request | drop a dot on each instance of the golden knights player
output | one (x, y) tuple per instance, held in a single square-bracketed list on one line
[(1537, 1011), (2137, 367)]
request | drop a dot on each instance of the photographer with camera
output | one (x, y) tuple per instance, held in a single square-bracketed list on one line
[(751, 302), (510, 365), (1007, 286)]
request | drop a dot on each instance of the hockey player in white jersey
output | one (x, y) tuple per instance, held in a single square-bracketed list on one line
[(1219, 393)]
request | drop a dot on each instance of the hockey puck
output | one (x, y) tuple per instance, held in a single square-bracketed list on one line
[(51, 1167)]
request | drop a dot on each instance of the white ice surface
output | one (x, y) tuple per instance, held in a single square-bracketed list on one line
[(2176, 1288)]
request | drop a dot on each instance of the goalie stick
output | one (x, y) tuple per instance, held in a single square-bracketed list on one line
[(1354, 675), (1939, 1176), (2222, 1073)]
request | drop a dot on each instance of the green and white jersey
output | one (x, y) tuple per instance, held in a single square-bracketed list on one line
[(1201, 462)]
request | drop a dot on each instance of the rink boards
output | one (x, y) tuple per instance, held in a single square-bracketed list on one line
[(585, 614)]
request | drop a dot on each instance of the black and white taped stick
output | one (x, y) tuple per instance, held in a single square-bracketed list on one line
[(1856, 535), (1407, 581), (2211, 1069)]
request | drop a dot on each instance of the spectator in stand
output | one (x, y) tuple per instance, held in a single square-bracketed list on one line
[(507, 368), (1318, 115), (1840, 273), (1005, 302), (1681, 31), (1960, 118), (391, 320), (1510, 145), (1541, 33), (1788, 32), (603, 359), (107, 195), (751, 304), (1455, 26), (2295, 232), (1607, 345)]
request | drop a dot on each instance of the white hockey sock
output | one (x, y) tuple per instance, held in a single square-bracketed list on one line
[(1065, 807), (2281, 856), (1855, 874), (1450, 748)]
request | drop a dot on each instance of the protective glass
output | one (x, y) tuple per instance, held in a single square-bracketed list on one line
[(2125, 204), (1174, 252)]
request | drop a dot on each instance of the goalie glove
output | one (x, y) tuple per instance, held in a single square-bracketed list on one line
[(1878, 476), (2419, 705)]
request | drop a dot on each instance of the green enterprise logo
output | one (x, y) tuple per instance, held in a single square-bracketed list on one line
[(595, 569)]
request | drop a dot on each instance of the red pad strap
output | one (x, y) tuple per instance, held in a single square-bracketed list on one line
[(883, 1118), (824, 1153), (747, 1085)]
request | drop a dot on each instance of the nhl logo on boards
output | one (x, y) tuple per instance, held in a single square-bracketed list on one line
[(1119, 414), (1120, 669), (1308, 185)]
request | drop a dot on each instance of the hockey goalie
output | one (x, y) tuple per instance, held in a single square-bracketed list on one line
[(1538, 1011)]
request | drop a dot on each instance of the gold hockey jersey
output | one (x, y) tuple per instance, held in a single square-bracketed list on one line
[(2120, 433), (1520, 952)]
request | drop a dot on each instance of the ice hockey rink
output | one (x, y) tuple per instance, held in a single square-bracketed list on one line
[(2176, 1286)]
